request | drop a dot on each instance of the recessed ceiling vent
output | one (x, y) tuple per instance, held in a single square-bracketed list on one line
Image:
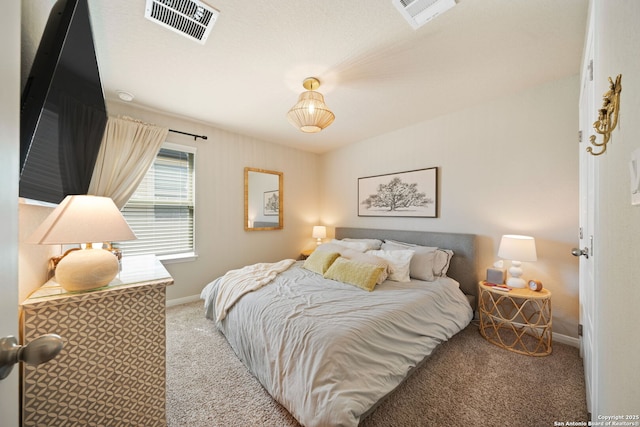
[(419, 12), (191, 18)]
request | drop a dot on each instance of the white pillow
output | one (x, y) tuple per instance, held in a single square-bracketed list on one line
[(395, 245), (331, 247), (358, 246), (428, 263), (443, 260), (372, 244), (399, 262)]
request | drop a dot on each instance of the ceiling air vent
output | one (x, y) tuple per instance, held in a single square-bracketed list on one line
[(419, 12), (191, 18)]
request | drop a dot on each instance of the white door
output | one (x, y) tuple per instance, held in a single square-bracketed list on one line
[(9, 159), (588, 175)]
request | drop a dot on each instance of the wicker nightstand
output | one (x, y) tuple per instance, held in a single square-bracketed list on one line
[(518, 320)]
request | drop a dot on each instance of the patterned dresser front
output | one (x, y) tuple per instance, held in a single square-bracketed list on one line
[(111, 371)]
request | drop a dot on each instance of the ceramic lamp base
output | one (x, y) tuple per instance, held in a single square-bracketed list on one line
[(515, 281), (86, 269)]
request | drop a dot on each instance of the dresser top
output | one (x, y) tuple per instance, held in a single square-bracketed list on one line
[(142, 270)]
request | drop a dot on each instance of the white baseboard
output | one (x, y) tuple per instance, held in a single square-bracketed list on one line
[(565, 339), (184, 300)]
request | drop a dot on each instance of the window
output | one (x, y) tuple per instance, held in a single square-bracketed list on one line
[(161, 211)]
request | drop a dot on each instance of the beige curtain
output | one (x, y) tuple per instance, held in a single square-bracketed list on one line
[(128, 149)]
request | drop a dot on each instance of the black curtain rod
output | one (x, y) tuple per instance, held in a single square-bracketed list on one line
[(195, 137)]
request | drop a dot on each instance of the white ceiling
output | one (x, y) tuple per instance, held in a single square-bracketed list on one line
[(377, 73)]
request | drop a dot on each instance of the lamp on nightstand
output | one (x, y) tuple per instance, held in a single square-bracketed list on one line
[(84, 219), (319, 233), (517, 249)]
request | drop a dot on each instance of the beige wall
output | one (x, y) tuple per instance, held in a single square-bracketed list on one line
[(618, 222), (508, 166), (32, 259), (221, 241), (34, 18)]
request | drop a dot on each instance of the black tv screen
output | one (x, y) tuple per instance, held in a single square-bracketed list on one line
[(63, 113)]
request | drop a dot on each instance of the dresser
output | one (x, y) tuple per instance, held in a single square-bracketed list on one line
[(111, 371)]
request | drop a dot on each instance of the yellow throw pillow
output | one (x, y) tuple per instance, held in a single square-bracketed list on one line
[(320, 261), (355, 273)]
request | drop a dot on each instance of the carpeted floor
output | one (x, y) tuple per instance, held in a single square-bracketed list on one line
[(467, 382)]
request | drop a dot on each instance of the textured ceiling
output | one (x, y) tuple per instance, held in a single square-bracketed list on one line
[(377, 73)]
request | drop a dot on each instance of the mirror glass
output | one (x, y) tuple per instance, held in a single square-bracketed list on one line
[(263, 208)]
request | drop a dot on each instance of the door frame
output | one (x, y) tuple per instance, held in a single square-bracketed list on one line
[(588, 177), (10, 22)]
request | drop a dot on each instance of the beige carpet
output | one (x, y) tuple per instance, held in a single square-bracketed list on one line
[(467, 382)]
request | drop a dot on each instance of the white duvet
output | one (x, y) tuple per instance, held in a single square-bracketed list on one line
[(236, 283), (329, 351)]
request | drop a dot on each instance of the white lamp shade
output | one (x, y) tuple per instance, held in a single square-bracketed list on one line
[(83, 219), (319, 232), (517, 248)]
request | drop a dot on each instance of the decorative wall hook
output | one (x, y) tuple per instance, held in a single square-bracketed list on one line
[(607, 116)]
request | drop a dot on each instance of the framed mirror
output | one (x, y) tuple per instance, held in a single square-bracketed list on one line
[(263, 207)]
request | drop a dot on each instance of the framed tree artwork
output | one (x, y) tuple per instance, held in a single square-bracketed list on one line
[(402, 194)]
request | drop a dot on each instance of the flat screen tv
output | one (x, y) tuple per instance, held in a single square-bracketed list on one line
[(63, 113)]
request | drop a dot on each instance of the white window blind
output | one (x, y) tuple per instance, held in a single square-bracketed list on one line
[(161, 211)]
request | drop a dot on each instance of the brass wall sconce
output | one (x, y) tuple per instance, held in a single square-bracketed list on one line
[(607, 116)]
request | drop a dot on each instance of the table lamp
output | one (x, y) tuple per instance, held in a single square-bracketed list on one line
[(319, 233), (84, 219), (517, 249)]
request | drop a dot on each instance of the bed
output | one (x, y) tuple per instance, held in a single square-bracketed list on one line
[(329, 351)]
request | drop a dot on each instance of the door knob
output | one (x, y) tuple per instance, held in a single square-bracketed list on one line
[(40, 350), (580, 252)]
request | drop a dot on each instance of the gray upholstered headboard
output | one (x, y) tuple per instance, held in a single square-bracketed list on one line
[(463, 267), (263, 224)]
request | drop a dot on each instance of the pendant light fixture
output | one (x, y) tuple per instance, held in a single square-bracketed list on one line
[(310, 114)]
